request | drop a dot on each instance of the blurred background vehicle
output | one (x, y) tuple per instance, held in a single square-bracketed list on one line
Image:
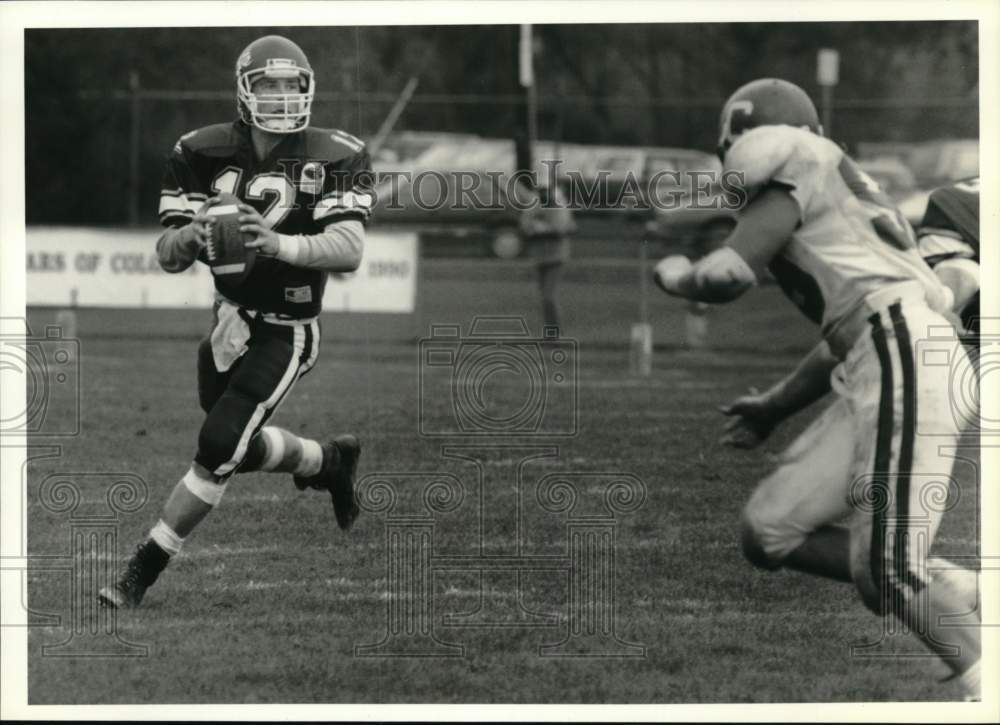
[(454, 189), (450, 98), (909, 172)]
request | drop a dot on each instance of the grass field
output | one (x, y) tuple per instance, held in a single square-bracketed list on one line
[(269, 600)]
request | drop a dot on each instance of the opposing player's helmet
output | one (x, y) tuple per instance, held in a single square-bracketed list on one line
[(274, 57), (765, 102)]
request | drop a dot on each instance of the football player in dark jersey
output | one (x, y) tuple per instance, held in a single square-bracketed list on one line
[(948, 238), (305, 199)]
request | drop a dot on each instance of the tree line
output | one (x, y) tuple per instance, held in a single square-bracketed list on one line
[(623, 84)]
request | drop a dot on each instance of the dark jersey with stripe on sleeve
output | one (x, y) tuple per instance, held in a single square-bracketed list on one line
[(310, 179), (953, 211), (950, 230)]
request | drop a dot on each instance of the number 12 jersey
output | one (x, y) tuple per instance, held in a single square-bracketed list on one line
[(309, 180)]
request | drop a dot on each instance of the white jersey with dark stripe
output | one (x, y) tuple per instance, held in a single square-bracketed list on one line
[(878, 459), (310, 180), (851, 240)]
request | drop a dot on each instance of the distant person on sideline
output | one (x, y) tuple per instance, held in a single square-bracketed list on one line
[(545, 225)]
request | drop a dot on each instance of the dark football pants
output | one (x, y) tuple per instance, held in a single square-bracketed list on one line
[(240, 400)]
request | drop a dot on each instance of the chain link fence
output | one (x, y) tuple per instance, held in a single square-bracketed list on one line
[(118, 141)]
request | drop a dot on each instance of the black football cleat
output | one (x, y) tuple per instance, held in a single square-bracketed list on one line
[(140, 573), (336, 475)]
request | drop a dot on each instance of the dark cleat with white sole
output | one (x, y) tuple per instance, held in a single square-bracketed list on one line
[(141, 571), (336, 475)]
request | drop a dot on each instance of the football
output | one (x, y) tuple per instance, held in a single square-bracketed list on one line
[(227, 255)]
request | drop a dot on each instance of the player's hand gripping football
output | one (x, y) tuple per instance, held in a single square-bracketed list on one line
[(251, 222), (201, 223), (752, 418)]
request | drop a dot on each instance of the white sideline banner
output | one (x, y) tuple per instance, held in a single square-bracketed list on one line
[(69, 266)]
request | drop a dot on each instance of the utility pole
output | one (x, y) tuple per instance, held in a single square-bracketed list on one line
[(394, 113), (526, 78), (827, 75), (135, 126)]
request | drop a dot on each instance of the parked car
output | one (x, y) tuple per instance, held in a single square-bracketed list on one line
[(930, 163), (453, 189), (700, 220), (897, 180)]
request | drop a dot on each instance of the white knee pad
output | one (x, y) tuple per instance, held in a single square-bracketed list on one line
[(752, 541), (767, 531), (208, 491)]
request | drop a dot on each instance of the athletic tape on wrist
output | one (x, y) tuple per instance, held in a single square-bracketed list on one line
[(288, 248)]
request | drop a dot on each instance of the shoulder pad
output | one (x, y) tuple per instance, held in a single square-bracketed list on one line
[(332, 144), (214, 140), (760, 153)]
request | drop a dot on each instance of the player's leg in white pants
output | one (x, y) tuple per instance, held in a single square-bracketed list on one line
[(899, 484), (789, 519)]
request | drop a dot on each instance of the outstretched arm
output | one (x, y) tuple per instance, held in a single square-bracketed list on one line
[(764, 228), (338, 248), (754, 416)]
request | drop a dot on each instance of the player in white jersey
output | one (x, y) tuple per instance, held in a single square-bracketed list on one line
[(858, 496)]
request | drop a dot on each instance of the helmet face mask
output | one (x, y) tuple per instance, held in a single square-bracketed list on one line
[(274, 57), (765, 102)]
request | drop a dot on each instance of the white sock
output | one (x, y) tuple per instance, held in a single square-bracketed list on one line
[(166, 538), (962, 581), (970, 682), (312, 458), (274, 442), (285, 451)]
